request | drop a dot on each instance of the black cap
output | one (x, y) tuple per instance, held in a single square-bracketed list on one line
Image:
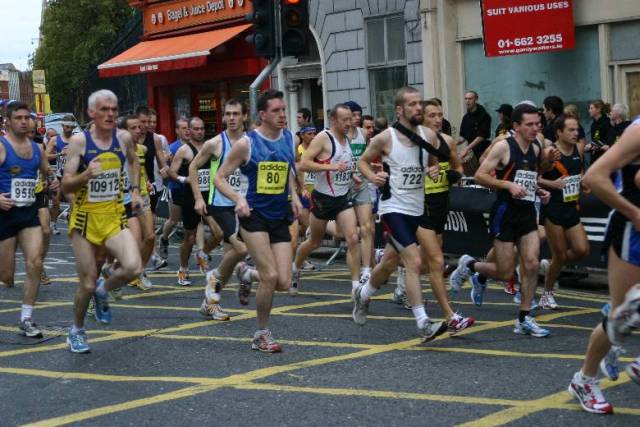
[(505, 109)]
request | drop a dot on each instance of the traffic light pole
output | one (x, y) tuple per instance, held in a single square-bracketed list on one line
[(264, 74)]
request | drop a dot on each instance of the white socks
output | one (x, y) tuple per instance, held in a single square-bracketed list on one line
[(367, 292), (420, 314), (26, 312), (355, 284)]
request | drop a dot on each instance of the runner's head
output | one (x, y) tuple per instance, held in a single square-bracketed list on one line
[(153, 120), (196, 126), (51, 132), (341, 118), (31, 133), (143, 114), (18, 119), (566, 129), (272, 109), (235, 114), (368, 126), (356, 113), (182, 130), (553, 107), (68, 125), (307, 134), (526, 121), (103, 109), (132, 125), (408, 103), (433, 116)]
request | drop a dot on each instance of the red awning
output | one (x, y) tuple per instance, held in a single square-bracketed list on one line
[(173, 53)]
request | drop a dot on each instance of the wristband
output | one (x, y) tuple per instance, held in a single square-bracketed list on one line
[(182, 179)]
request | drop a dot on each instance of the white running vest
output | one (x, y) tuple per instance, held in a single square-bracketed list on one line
[(334, 183), (406, 178)]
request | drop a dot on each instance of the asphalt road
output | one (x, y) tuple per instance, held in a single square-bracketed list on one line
[(161, 363)]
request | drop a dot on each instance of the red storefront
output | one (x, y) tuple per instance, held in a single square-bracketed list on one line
[(195, 56)]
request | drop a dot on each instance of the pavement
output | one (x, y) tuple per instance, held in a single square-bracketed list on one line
[(161, 363)]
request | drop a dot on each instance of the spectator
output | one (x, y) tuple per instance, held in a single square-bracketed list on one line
[(571, 110), (504, 115), (475, 126), (303, 118), (600, 128), (620, 121), (553, 108)]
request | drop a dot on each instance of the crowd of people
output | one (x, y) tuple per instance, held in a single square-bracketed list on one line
[(259, 189)]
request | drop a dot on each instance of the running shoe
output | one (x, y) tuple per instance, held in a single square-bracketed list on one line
[(447, 270), (431, 330), (264, 342), (609, 365), (28, 328), (377, 255), (213, 310), (588, 393), (400, 278), (44, 279), (91, 309), (143, 283), (213, 287), (530, 327), (547, 301), (633, 370), (103, 312), (308, 266), (398, 296), (460, 274), (517, 299), (625, 318), (510, 286), (78, 342), (183, 278), (244, 290), (295, 282), (116, 294), (106, 270), (54, 229), (458, 323), (364, 277), (163, 248), (158, 262), (544, 268), (135, 283), (202, 261), (605, 309), (360, 308), (477, 290)]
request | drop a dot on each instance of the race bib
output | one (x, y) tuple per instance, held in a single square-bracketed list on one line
[(342, 178), (529, 181), (440, 184), (272, 177), (571, 189), (310, 178), (203, 179), (127, 184), (238, 182), (23, 191), (105, 187)]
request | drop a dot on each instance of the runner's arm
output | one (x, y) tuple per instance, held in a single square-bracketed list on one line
[(160, 158), (308, 163), (175, 165), (597, 177), (208, 151), (51, 149), (376, 148), (237, 156), (490, 163), (73, 180)]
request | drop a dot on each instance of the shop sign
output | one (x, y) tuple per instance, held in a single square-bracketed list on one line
[(167, 16), (39, 82), (516, 27)]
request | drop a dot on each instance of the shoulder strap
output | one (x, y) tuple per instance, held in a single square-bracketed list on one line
[(333, 144), (417, 139)]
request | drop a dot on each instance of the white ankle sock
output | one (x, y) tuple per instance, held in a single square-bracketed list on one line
[(355, 284), (367, 292), (77, 329), (26, 312), (420, 314), (365, 270)]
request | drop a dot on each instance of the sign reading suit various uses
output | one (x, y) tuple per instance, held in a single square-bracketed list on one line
[(516, 27)]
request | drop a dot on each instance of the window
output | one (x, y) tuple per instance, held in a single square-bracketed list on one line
[(386, 62)]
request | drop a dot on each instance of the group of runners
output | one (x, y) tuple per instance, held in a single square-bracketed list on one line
[(259, 189)]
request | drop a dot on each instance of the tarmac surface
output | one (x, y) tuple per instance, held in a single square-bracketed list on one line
[(162, 363)]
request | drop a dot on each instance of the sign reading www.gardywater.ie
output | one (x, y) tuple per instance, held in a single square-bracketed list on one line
[(516, 27)]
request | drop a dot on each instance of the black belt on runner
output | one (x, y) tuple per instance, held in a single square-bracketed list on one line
[(420, 142)]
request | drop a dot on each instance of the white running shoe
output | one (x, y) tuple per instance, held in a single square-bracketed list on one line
[(548, 301), (625, 318), (588, 393), (461, 273), (530, 327)]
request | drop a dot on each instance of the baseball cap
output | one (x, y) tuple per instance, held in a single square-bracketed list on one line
[(505, 109)]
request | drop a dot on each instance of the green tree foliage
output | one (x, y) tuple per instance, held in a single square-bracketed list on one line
[(76, 34)]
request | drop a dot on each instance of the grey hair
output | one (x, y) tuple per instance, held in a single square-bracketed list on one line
[(622, 109), (101, 94)]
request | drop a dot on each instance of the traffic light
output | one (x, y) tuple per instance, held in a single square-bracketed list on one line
[(264, 26), (294, 19)]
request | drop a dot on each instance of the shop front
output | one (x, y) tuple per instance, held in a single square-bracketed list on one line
[(195, 57)]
